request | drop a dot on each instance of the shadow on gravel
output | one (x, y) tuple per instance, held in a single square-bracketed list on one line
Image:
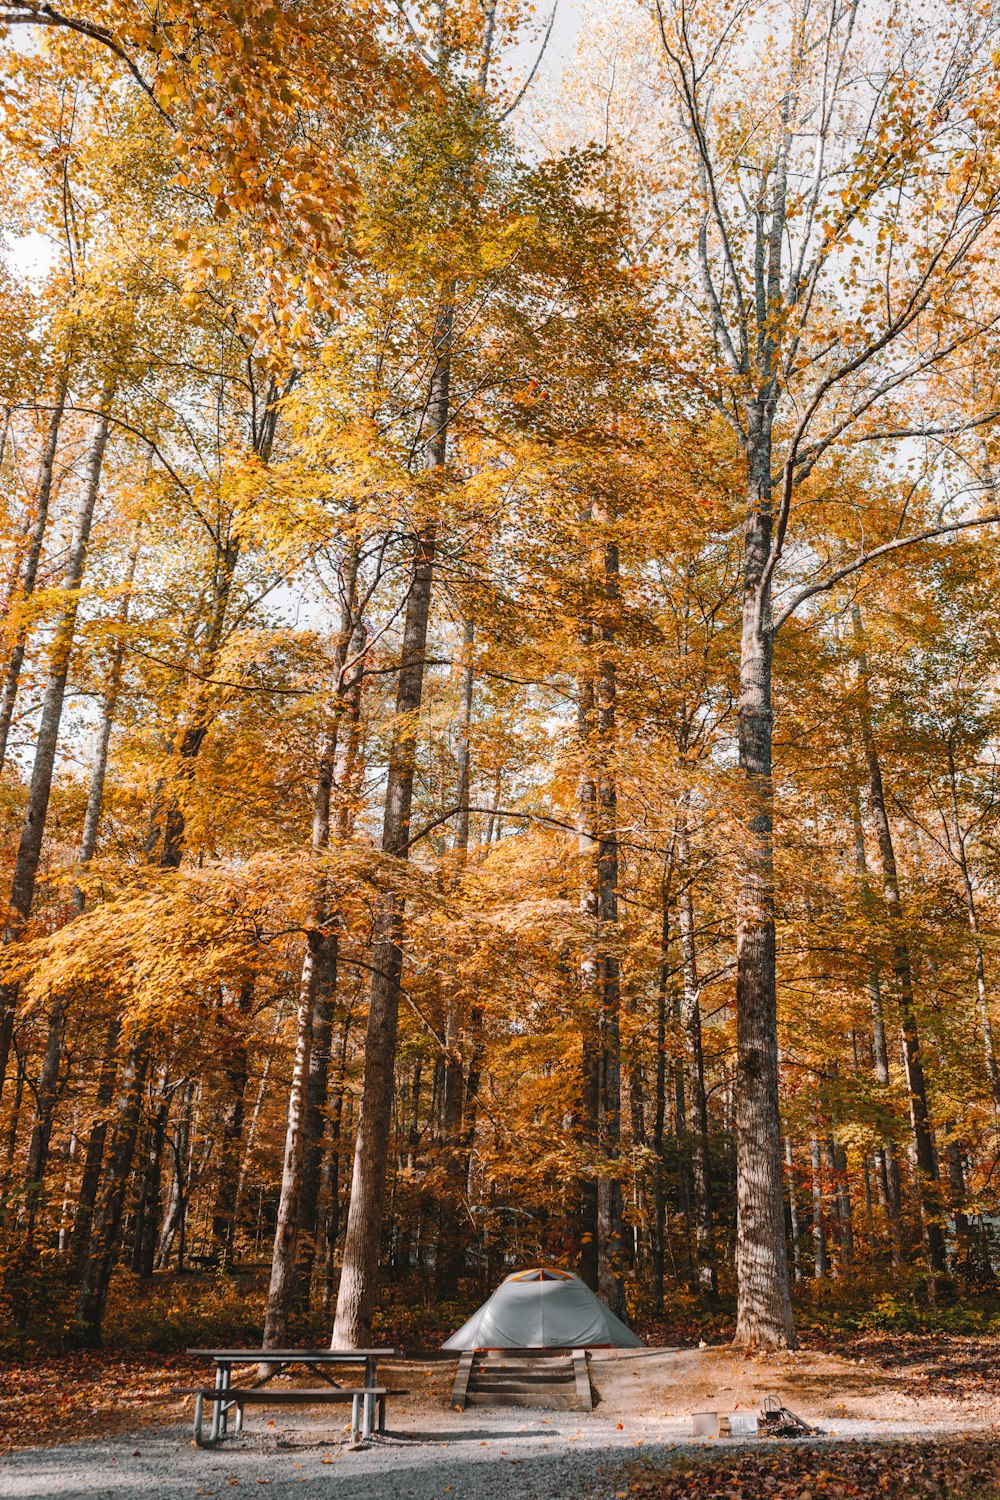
[(467, 1435)]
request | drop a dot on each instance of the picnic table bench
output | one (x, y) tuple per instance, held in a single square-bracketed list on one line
[(226, 1398)]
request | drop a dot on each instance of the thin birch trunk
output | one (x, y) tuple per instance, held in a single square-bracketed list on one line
[(793, 1212), (820, 1262)]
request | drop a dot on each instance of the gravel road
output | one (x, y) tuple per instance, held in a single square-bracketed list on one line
[(476, 1455)]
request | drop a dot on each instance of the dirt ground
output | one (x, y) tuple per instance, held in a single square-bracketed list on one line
[(884, 1385), (950, 1387)]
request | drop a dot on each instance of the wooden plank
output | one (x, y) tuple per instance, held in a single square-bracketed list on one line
[(305, 1356), (584, 1392), (517, 1380), (268, 1396), (461, 1389)]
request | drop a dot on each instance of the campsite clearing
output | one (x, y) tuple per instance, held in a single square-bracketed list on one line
[(642, 1420)]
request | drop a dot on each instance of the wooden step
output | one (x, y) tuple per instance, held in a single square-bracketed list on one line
[(565, 1400), (504, 1378)]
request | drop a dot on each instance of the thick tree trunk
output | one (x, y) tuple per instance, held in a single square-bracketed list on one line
[(32, 558), (930, 1198), (764, 1308), (29, 851), (363, 1240)]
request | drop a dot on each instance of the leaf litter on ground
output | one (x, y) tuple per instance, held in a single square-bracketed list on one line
[(950, 1469)]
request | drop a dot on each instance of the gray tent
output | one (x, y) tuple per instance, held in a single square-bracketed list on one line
[(543, 1310)]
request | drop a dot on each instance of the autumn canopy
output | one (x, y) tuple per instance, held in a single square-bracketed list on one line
[(498, 662)]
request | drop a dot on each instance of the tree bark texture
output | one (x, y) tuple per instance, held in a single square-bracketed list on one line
[(764, 1312)]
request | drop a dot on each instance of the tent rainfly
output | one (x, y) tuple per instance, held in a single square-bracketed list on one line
[(543, 1310)]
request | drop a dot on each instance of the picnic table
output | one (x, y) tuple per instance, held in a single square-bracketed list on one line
[(224, 1397)]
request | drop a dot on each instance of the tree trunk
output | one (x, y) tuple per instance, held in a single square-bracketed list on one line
[(298, 1207), (886, 1154), (363, 1240), (231, 1137), (455, 1156), (29, 851), (611, 1247), (105, 1225), (820, 1263), (29, 575), (658, 1224), (90, 1179), (982, 994), (793, 1211), (46, 1093), (147, 1226), (701, 1183), (331, 1168), (180, 1148), (930, 1203), (764, 1307), (316, 1143), (281, 1287)]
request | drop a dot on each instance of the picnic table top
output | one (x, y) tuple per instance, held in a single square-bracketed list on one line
[(313, 1356)]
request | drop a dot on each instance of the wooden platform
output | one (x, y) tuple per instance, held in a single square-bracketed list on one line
[(547, 1379)]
